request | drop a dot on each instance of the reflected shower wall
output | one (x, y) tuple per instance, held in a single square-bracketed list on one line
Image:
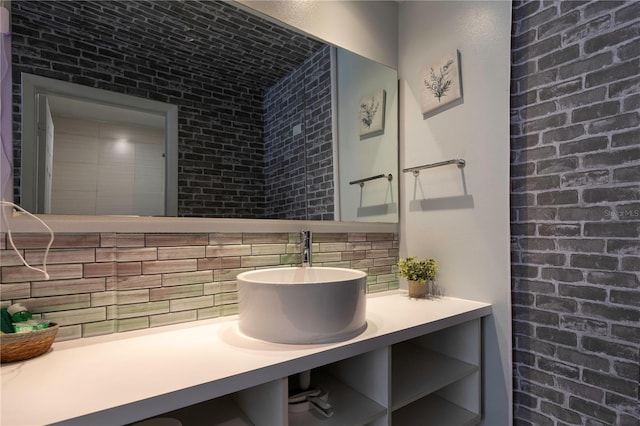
[(107, 168)]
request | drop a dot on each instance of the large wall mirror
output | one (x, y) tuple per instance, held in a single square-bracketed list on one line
[(196, 109)]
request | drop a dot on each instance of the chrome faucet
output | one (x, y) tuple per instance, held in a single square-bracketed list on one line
[(305, 248)]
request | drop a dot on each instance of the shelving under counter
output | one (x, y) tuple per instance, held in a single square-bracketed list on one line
[(127, 377)]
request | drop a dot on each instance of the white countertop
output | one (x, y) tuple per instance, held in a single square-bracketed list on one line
[(125, 377)]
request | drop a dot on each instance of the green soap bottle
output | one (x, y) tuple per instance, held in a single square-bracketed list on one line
[(19, 313)]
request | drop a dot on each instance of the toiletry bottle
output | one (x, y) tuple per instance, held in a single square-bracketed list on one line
[(19, 313)]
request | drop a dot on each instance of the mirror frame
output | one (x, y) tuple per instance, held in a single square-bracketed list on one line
[(77, 223)]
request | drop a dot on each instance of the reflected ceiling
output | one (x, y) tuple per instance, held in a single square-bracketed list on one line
[(170, 30)]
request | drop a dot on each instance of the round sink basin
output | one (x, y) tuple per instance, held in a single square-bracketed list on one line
[(303, 305)]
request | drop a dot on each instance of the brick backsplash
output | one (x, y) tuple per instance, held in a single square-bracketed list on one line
[(575, 212), (103, 283)]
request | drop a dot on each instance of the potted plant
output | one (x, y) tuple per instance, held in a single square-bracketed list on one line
[(419, 273)]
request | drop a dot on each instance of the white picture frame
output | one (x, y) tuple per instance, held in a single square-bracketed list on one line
[(441, 84), (371, 114)]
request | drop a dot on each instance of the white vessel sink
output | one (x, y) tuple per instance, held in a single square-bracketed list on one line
[(303, 305)]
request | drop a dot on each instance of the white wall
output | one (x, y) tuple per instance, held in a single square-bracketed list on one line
[(361, 157), (462, 218), (6, 149), (368, 28)]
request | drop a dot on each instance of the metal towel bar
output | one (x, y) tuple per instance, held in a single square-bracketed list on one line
[(416, 170), (363, 180)]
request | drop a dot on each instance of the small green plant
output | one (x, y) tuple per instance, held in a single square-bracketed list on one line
[(417, 270)]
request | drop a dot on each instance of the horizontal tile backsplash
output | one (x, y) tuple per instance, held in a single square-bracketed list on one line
[(102, 283)]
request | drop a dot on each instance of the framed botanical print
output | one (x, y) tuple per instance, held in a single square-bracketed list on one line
[(441, 83), (372, 114)]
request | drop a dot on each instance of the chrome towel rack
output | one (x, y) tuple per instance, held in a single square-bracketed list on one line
[(363, 180), (416, 170)]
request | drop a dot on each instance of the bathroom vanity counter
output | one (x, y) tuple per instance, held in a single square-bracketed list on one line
[(122, 378)]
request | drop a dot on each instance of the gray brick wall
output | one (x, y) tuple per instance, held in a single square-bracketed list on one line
[(299, 167), (139, 47), (575, 212)]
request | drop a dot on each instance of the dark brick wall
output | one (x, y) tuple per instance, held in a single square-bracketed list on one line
[(575, 211), (299, 167), (138, 48)]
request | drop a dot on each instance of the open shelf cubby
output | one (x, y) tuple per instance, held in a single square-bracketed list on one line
[(418, 372), (434, 411), (350, 406), (436, 378), (219, 411)]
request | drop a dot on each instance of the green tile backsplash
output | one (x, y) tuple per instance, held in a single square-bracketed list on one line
[(104, 283)]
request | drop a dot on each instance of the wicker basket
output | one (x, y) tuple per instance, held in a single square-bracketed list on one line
[(21, 346)]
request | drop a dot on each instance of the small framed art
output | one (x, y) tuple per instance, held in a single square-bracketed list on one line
[(441, 83), (372, 114)]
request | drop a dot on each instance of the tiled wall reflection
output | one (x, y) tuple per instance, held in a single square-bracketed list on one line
[(103, 283)]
